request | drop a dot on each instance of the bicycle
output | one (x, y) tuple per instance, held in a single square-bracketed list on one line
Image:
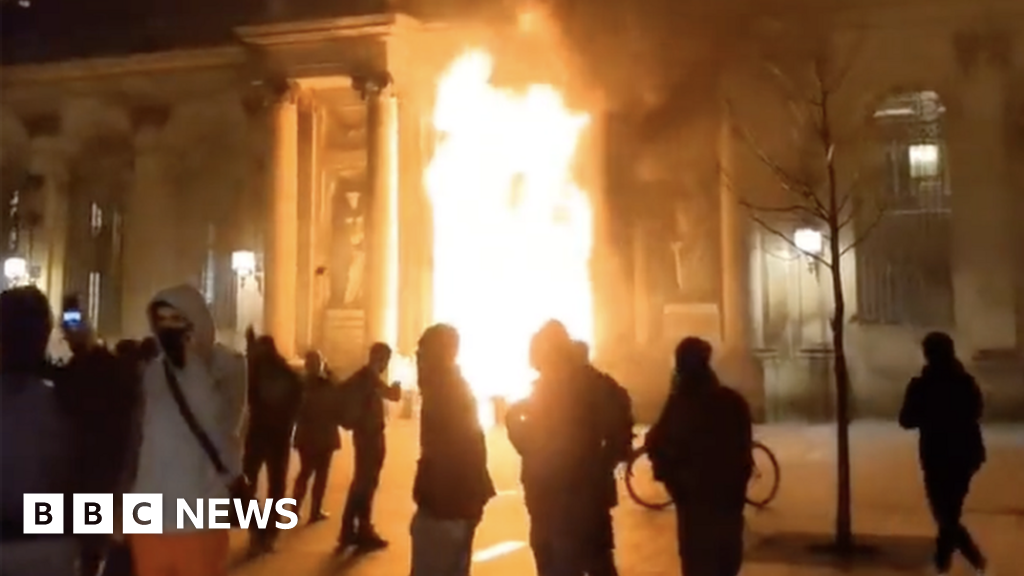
[(663, 500)]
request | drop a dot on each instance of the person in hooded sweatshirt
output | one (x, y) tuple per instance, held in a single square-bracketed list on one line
[(944, 404), (38, 440), (700, 448), (171, 460), (452, 485)]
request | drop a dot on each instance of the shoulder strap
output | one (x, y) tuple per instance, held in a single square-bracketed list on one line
[(191, 421)]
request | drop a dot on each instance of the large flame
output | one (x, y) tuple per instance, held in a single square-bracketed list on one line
[(512, 231)]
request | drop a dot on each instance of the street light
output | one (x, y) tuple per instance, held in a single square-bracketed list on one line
[(243, 262), (808, 241), (15, 270)]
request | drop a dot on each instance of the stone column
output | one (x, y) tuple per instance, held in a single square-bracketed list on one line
[(414, 216), (382, 245), (983, 247), (737, 360), (48, 160), (282, 222), (148, 246)]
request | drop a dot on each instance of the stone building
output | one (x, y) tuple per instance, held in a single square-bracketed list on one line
[(299, 143)]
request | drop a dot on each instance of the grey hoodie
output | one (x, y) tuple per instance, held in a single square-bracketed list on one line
[(171, 461)]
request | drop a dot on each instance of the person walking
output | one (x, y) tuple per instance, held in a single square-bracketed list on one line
[(363, 396), (194, 391), (316, 435), (944, 404), (38, 439), (274, 397), (701, 450), (452, 485)]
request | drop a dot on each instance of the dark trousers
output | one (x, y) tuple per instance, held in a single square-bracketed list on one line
[(563, 537), (603, 562), (710, 536), (369, 459), (946, 491), (272, 451), (316, 465)]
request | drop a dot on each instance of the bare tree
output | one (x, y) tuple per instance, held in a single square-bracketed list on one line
[(824, 187)]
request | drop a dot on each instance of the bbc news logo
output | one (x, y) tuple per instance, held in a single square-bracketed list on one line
[(144, 513)]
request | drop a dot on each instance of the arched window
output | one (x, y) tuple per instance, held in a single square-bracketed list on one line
[(904, 272)]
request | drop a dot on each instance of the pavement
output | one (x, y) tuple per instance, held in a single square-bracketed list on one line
[(890, 513)]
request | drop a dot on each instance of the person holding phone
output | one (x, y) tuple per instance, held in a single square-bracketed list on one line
[(363, 396)]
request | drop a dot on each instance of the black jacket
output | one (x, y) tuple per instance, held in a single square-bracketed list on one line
[(274, 397), (319, 417), (452, 480), (945, 405)]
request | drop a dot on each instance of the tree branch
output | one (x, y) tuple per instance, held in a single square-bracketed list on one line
[(865, 232)]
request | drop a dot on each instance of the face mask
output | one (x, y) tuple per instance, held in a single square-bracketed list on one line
[(172, 340)]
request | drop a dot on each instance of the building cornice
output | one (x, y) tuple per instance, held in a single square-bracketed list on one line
[(312, 31), (92, 68)]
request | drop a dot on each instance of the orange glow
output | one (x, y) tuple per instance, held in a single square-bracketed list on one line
[(512, 231)]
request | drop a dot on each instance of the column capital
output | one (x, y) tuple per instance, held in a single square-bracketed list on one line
[(372, 84), (42, 124), (149, 116), (270, 92)]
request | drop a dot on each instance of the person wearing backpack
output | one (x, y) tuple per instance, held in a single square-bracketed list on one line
[(193, 403), (37, 435), (364, 394), (316, 435)]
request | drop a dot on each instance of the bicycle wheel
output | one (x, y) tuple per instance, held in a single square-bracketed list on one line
[(764, 480), (641, 485)]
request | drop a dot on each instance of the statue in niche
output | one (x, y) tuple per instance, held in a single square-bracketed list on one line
[(691, 247), (349, 247)]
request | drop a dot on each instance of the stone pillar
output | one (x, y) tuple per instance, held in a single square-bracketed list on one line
[(48, 160), (282, 222), (736, 358), (382, 245), (983, 247), (148, 247), (414, 217)]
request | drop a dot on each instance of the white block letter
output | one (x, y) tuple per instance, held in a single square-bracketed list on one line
[(282, 511), (43, 514), (94, 514), (142, 514), (215, 513)]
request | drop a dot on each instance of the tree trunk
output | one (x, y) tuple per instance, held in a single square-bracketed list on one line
[(844, 504)]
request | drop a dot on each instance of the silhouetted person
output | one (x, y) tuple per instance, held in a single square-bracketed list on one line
[(316, 434), (37, 439), (149, 349), (102, 393), (700, 449), (364, 394), (275, 394), (944, 405), (452, 484), (559, 432), (617, 421)]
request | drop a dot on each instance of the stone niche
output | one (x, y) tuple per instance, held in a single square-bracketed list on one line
[(346, 195)]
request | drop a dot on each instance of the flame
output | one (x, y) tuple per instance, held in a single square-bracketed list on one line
[(512, 231)]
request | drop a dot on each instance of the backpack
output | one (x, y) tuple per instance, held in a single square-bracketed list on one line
[(348, 402)]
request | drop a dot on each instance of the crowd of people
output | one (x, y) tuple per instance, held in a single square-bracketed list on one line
[(166, 415)]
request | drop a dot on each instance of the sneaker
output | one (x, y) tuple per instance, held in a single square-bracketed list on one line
[(318, 516), (370, 543)]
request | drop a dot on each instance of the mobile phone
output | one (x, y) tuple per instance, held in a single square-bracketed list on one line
[(71, 318)]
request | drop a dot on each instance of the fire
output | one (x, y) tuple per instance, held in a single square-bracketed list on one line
[(512, 231)]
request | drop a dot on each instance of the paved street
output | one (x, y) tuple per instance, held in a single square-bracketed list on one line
[(890, 511)]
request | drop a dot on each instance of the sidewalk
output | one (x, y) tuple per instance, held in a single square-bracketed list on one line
[(889, 510)]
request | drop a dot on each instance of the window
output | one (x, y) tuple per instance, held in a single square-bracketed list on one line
[(93, 301), (924, 160), (904, 266)]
